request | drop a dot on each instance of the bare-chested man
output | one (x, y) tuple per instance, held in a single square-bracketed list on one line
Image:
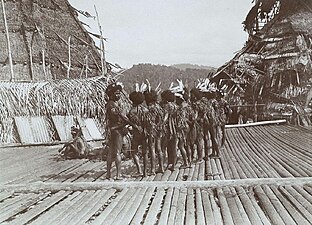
[(116, 123)]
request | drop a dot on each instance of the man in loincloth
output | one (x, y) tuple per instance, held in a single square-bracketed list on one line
[(224, 112), (169, 140), (197, 131), (137, 117), (154, 130), (116, 124), (183, 124), (76, 148)]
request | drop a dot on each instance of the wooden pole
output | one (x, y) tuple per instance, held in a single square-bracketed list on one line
[(43, 63), (248, 105), (86, 60), (69, 58), (8, 40), (102, 46), (308, 99), (255, 124), (31, 62)]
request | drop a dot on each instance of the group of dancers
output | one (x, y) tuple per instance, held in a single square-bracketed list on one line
[(178, 119)]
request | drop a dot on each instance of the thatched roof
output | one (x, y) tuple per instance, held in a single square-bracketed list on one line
[(264, 11), (275, 64), (39, 33), (83, 97)]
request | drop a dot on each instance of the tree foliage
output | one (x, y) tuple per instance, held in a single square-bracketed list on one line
[(161, 74)]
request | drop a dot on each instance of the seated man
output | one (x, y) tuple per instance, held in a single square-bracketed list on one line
[(76, 148)]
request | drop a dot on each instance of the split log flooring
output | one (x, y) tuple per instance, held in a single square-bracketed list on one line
[(246, 193)]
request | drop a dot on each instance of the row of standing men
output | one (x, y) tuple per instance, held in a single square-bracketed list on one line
[(189, 121)]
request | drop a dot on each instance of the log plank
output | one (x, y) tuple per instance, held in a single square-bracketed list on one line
[(190, 207), (209, 216), (164, 216)]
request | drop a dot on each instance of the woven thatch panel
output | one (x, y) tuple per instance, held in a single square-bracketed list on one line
[(40, 130), (84, 128), (5, 72), (21, 72), (48, 4), (19, 48), (302, 22), (279, 47), (24, 130), (279, 29), (33, 130), (91, 129), (63, 125), (13, 16), (42, 73)]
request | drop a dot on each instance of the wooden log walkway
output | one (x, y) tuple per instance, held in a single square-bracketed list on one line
[(262, 177)]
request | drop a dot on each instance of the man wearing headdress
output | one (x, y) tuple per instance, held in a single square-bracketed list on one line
[(224, 113), (211, 123), (184, 118), (184, 121), (154, 129), (116, 124), (137, 117), (169, 140), (208, 109), (197, 133)]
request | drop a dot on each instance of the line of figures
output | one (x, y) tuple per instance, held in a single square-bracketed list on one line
[(165, 123)]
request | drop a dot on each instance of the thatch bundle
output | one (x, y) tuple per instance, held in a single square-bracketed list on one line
[(83, 97), (275, 64)]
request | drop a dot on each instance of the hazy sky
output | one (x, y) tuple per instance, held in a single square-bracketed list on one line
[(204, 32)]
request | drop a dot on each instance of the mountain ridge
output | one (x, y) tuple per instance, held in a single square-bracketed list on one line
[(184, 66)]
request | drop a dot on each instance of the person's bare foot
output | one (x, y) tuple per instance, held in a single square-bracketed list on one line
[(118, 178), (160, 171), (183, 166), (138, 174), (171, 168)]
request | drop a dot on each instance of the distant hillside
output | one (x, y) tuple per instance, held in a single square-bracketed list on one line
[(184, 66), (160, 73)]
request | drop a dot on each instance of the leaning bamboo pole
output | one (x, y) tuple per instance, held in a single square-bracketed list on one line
[(255, 123), (102, 46), (8, 40), (69, 58), (43, 63), (31, 61)]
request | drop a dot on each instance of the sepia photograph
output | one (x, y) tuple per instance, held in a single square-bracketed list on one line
[(168, 112)]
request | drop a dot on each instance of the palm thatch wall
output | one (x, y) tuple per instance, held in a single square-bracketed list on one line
[(83, 97), (76, 97), (40, 33), (44, 101), (274, 67)]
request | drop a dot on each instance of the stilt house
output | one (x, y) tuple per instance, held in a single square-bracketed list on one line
[(274, 67)]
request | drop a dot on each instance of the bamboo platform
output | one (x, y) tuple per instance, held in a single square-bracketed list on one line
[(262, 177)]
